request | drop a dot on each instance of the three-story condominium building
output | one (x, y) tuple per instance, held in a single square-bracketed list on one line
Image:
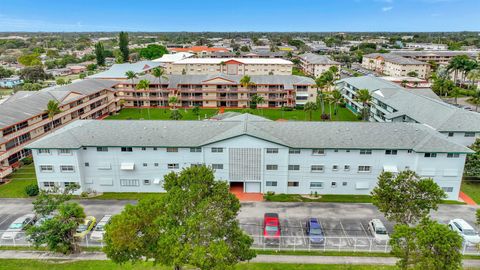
[(261, 155), (315, 64), (393, 103), (395, 65), (218, 90), (23, 117)]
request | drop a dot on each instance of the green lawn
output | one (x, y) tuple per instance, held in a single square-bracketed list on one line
[(23, 177), (274, 114), (125, 196), (12, 264), (472, 189)]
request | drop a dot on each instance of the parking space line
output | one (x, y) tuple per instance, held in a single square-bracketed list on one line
[(364, 230), (343, 229), (4, 220)]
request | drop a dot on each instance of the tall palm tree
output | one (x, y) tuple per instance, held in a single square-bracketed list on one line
[(476, 99), (131, 76), (144, 85), (324, 81), (337, 99), (52, 110), (310, 107), (364, 96), (246, 81), (474, 76), (159, 73)]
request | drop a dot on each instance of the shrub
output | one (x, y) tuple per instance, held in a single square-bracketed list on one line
[(27, 161), (299, 107), (287, 109), (316, 194), (32, 190), (270, 193), (84, 194)]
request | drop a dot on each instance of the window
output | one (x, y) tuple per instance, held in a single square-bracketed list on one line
[(334, 184), (294, 151), (217, 150), (453, 155), (217, 166), (146, 182), (335, 150), (145, 164), (46, 168), (84, 148), (43, 151), (271, 167), (365, 152), (173, 166), (68, 184), (469, 134), (390, 152), (317, 168), (364, 168), (127, 149), (316, 184), (450, 134), (346, 168), (172, 150), (344, 184), (48, 184), (293, 167), (348, 150), (195, 150), (430, 155), (64, 152), (87, 164), (272, 150), (155, 164), (67, 168), (318, 151), (335, 167), (129, 183), (144, 148), (293, 184), (102, 149), (154, 148), (447, 189), (271, 183)]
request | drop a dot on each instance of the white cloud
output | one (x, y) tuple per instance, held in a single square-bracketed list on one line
[(385, 9)]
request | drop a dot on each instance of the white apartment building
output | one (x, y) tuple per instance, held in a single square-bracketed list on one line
[(261, 155), (393, 103), (315, 64), (427, 46), (230, 66)]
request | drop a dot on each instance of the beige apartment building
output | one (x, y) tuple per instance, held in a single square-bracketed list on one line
[(315, 64), (230, 66), (212, 91), (24, 117), (395, 65), (439, 57)]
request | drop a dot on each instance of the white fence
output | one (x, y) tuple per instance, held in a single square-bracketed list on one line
[(291, 243)]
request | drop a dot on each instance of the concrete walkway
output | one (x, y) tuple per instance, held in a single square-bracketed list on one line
[(290, 259)]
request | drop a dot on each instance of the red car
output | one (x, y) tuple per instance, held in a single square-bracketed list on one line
[(271, 228)]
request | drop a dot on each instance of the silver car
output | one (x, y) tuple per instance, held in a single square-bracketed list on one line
[(18, 226)]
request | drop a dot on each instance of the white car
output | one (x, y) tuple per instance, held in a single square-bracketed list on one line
[(99, 231), (379, 232), (18, 226), (468, 233)]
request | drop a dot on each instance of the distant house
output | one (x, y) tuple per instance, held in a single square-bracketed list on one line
[(76, 69), (10, 82), (59, 71), (199, 51)]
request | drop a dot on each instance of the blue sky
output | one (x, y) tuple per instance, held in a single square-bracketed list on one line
[(240, 15)]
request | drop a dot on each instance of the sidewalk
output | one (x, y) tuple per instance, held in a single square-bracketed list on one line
[(85, 256)]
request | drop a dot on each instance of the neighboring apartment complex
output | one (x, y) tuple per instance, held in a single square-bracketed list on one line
[(230, 66), (199, 51), (439, 57), (427, 46), (218, 91), (118, 71), (395, 65), (393, 103), (23, 117), (291, 157), (315, 64)]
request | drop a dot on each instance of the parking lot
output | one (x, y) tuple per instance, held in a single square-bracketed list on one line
[(345, 226)]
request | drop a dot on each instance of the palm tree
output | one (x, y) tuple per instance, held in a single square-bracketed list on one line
[(173, 101), (325, 80), (310, 107), (246, 81), (476, 99), (474, 76), (255, 100), (52, 110), (364, 96), (131, 76), (337, 99), (144, 85), (159, 73)]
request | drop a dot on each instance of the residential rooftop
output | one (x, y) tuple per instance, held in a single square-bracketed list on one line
[(313, 58), (396, 59), (247, 61), (294, 134), (117, 71)]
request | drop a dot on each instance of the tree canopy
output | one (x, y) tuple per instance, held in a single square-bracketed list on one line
[(123, 46), (472, 164), (153, 51), (193, 224), (406, 198), (100, 54)]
